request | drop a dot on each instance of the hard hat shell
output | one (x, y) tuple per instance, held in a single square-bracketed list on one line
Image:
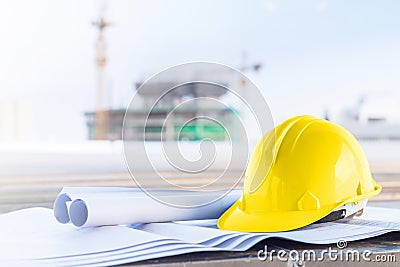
[(316, 167)]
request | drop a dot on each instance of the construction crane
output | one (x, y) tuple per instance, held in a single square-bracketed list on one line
[(100, 118)]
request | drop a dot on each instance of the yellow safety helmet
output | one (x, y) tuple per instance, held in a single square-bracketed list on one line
[(317, 167)]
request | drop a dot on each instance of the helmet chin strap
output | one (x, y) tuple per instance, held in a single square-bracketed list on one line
[(346, 211)]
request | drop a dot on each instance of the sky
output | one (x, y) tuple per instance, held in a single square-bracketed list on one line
[(316, 55)]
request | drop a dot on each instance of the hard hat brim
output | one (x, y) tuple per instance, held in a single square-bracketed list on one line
[(235, 219)]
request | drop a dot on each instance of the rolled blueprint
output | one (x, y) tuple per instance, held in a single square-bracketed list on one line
[(132, 206), (68, 194)]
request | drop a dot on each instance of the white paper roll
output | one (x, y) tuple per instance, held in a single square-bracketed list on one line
[(68, 194), (113, 208)]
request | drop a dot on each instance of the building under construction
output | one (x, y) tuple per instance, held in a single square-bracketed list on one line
[(167, 120)]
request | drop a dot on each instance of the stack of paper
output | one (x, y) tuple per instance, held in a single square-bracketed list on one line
[(33, 237)]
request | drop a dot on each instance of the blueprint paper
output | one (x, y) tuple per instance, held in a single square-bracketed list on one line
[(131, 205), (67, 194), (33, 237), (70, 193), (64, 199)]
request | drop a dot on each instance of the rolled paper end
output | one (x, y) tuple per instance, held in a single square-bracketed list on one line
[(78, 212), (60, 208)]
